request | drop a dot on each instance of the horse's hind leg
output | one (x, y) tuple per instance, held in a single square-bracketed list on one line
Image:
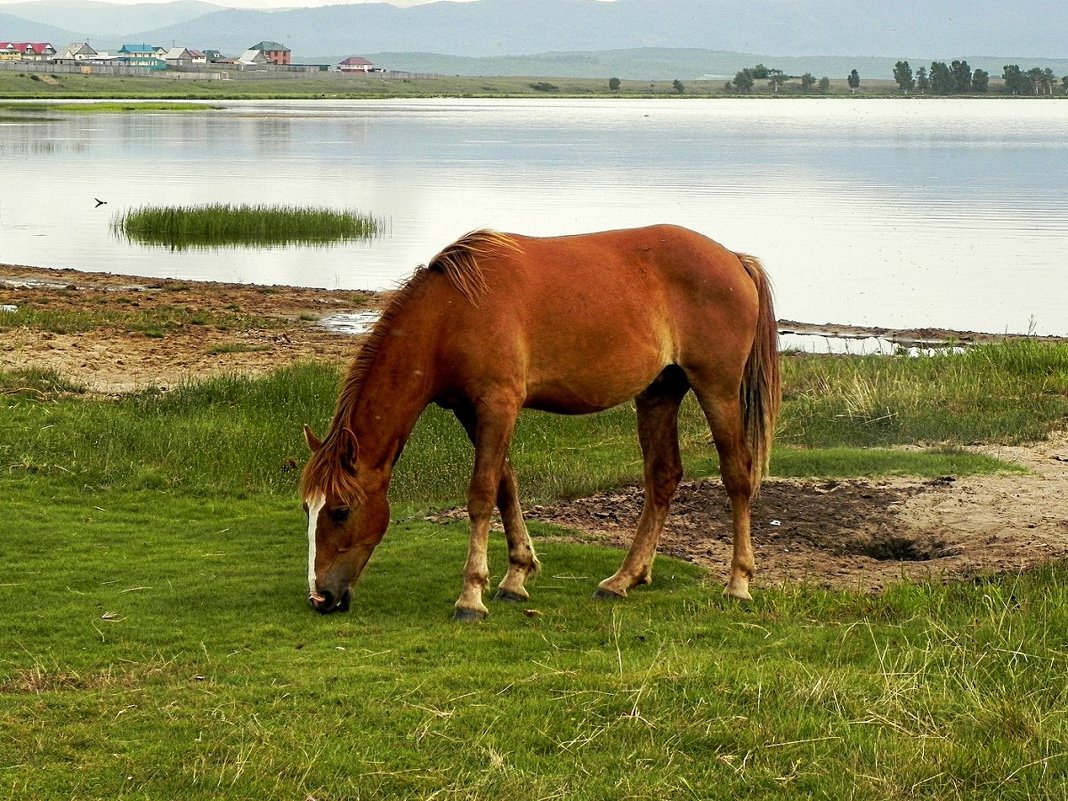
[(658, 417), (724, 414)]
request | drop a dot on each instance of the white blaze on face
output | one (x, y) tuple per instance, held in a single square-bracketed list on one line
[(315, 505)]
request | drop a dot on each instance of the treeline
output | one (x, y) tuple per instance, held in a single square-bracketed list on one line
[(959, 78), (746, 78), (954, 78)]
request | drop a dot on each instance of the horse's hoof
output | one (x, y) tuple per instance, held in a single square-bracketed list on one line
[(601, 594), (468, 615), (510, 597), (734, 594)]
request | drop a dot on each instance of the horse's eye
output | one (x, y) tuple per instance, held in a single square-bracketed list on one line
[(340, 514)]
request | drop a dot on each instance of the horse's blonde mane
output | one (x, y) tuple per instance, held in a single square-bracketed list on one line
[(459, 263)]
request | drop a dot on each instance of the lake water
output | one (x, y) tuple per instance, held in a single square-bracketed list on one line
[(942, 213)]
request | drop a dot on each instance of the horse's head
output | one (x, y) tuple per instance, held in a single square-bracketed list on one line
[(348, 513)]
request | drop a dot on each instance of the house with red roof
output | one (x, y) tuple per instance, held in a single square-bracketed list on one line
[(357, 64), (273, 52), (27, 51)]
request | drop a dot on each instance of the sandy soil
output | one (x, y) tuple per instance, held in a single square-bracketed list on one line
[(849, 534), (265, 327), (860, 534)]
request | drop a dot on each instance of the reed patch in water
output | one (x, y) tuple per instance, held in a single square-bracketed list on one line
[(226, 225)]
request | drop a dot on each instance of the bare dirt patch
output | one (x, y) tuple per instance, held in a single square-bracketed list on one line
[(851, 534), (246, 329), (859, 534)]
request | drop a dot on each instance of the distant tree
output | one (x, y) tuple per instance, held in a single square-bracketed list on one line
[(962, 76), (980, 81), (743, 81), (922, 82), (1064, 83), (614, 84), (854, 81), (808, 80), (1016, 83), (941, 78), (1037, 78), (1049, 79), (777, 78), (825, 84), (760, 72), (903, 76), (677, 86)]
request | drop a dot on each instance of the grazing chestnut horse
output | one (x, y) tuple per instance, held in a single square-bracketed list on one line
[(497, 323)]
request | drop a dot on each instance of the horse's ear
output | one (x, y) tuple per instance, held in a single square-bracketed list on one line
[(349, 449), (314, 443)]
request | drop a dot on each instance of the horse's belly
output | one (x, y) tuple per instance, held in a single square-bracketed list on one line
[(578, 367), (592, 390)]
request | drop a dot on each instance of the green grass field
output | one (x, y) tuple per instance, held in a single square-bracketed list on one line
[(156, 642), (15, 85)]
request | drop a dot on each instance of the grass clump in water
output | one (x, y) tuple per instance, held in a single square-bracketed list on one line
[(226, 225)]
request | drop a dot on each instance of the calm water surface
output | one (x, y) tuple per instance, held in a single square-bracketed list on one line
[(949, 213)]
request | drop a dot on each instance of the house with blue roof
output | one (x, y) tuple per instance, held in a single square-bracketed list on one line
[(142, 55)]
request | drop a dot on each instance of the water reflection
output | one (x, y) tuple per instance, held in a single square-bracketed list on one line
[(889, 213), (36, 138), (272, 136), (862, 345), (350, 323)]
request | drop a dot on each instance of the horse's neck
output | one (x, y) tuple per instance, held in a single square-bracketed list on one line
[(396, 387)]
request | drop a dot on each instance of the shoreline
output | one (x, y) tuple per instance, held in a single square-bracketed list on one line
[(14, 277)]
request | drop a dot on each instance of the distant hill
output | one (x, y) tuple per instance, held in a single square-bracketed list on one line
[(935, 28), (17, 29), (629, 38), (93, 19)]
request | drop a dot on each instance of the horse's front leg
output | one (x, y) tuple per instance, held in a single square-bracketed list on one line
[(493, 426)]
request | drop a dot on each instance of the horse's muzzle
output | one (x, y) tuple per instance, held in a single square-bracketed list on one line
[(324, 602)]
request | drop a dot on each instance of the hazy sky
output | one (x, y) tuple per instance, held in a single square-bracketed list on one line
[(259, 4)]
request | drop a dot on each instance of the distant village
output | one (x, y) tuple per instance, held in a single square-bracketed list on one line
[(138, 58)]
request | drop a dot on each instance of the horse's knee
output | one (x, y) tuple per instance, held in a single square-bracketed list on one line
[(481, 498)]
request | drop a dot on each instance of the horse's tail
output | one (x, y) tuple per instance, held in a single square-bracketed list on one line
[(761, 392)]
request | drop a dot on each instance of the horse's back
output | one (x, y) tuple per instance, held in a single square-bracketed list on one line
[(586, 322), (662, 284), (642, 265)]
